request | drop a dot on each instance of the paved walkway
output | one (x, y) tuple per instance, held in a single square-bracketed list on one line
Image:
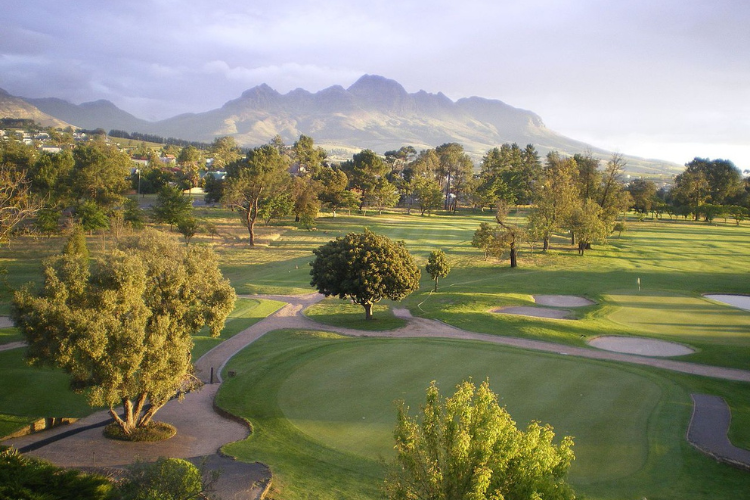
[(708, 430), (201, 431)]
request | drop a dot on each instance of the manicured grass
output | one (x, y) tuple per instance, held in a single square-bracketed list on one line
[(337, 312), (246, 313), (321, 407), (720, 332), (34, 393), (8, 335)]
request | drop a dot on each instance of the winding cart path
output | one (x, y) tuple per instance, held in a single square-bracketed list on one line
[(201, 430)]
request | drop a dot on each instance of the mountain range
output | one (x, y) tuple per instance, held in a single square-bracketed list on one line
[(375, 113)]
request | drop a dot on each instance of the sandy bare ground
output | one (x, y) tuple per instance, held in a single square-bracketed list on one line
[(641, 346), (5, 322), (201, 430), (562, 301), (739, 301)]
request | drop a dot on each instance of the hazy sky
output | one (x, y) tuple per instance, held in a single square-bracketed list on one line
[(667, 79)]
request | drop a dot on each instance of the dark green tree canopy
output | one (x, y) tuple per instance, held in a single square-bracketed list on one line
[(366, 268)]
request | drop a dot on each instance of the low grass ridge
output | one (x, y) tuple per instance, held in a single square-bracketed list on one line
[(306, 394), (336, 312), (245, 314)]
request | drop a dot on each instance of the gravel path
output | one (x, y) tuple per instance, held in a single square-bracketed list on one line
[(708, 430), (201, 431)]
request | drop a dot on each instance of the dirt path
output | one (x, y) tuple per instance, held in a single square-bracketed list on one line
[(202, 431)]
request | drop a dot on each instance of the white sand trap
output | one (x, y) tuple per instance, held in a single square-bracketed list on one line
[(562, 301), (536, 312), (5, 322), (740, 301), (640, 345)]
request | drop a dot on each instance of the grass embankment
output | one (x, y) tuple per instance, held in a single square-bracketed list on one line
[(246, 313), (335, 312), (322, 410)]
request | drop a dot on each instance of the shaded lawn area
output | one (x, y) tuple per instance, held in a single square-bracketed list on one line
[(322, 410), (337, 312), (246, 313), (28, 393), (8, 335)]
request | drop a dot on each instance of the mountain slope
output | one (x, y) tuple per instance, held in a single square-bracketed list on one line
[(15, 107), (90, 115), (374, 112)]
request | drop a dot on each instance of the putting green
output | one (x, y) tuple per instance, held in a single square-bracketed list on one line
[(344, 399), (680, 316)]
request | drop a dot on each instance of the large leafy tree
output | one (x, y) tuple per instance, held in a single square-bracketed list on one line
[(99, 174), (365, 268), (363, 171), (123, 327), (456, 170), (468, 447), (251, 181), (556, 197)]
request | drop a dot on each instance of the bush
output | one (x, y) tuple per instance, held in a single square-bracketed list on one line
[(27, 478), (165, 479), (154, 431)]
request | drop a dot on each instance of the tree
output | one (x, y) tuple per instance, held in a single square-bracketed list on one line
[(643, 192), (556, 197), (511, 235), (191, 162), (122, 328), (485, 238), (307, 156), (224, 151), (91, 216), (468, 447), (171, 206), (99, 174), (428, 194), (365, 268), (249, 182), (587, 224), (363, 172), (455, 168), (16, 202), (437, 266), (187, 227)]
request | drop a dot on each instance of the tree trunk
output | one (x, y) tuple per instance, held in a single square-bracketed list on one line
[(572, 238), (251, 216), (368, 310), (546, 243), (513, 256), (436, 283)]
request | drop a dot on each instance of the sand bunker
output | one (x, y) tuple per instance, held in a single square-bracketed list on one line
[(5, 322), (740, 301), (562, 301), (641, 346), (536, 312)]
